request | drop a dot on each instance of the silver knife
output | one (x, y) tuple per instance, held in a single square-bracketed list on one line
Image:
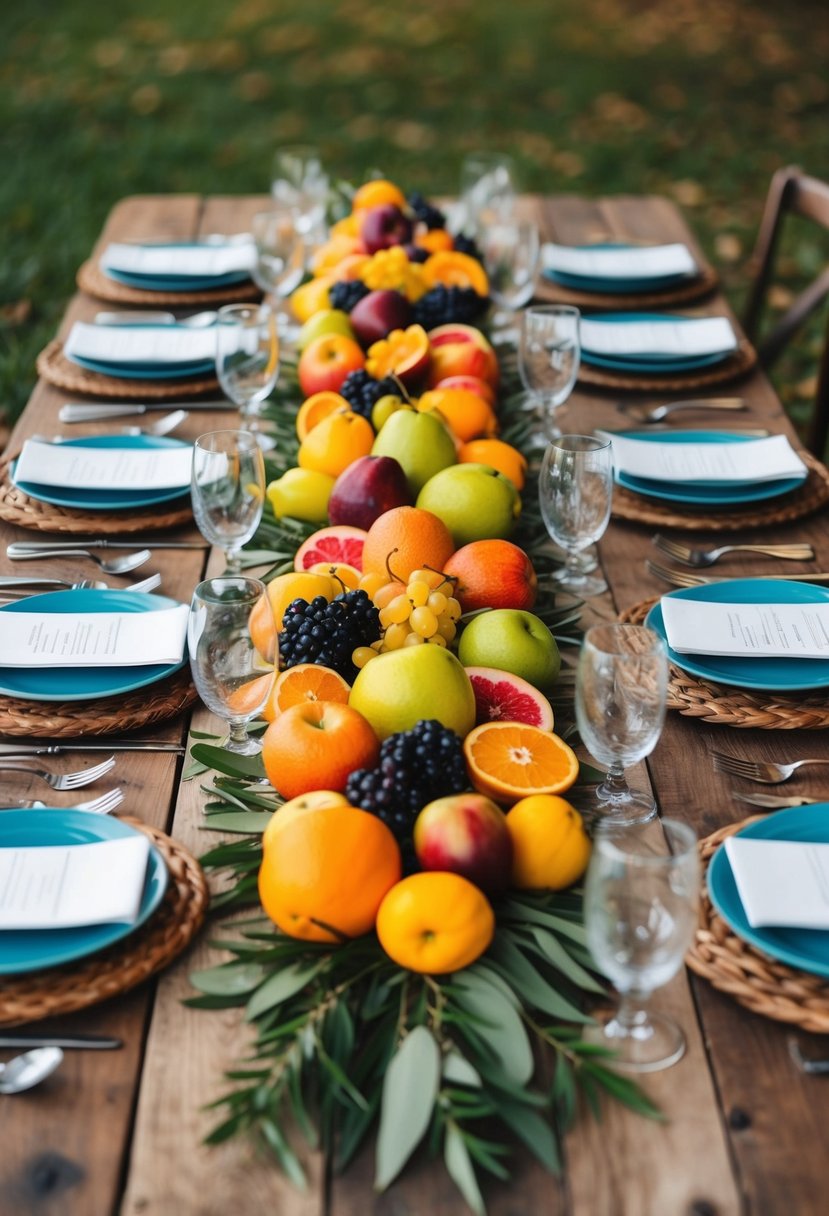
[(59, 749), (79, 1042), (25, 548), (77, 412), (774, 802)]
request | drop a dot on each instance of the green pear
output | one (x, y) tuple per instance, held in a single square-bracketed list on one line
[(475, 502), (420, 443)]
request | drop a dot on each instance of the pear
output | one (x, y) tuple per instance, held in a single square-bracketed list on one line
[(420, 443)]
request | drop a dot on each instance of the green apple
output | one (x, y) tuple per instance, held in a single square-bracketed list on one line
[(475, 502), (511, 640), (418, 442), (327, 321), (383, 409), (398, 689)]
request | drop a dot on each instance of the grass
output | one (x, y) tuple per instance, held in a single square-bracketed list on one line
[(700, 99)]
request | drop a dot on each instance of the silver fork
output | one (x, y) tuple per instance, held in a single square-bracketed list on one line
[(64, 781), (98, 806), (682, 578), (767, 772), (706, 557)]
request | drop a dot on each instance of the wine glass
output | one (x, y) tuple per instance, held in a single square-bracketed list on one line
[(247, 360), (281, 253), (231, 676), (575, 488), (487, 190), (511, 252), (300, 182), (621, 686), (549, 355), (228, 490), (640, 911)]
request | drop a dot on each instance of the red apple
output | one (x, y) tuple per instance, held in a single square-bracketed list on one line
[(461, 350), (385, 226), (369, 487), (466, 834), (492, 574), (378, 313), (325, 363)]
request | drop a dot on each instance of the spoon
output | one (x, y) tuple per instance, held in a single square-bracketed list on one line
[(198, 320), (28, 1070), (109, 565)]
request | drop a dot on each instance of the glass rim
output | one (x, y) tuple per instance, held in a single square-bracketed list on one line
[(253, 589), (593, 443), (612, 841), (657, 644), (231, 312), (244, 439), (552, 310)]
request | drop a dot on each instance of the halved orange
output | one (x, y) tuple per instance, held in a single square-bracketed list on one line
[(510, 760), (317, 407), (456, 269), (404, 353), (305, 682)]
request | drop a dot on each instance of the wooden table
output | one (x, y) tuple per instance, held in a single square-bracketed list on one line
[(121, 1132)]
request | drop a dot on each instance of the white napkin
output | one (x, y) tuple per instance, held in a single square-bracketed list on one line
[(63, 887), (781, 882), (746, 631), (93, 639), (634, 262), (681, 337), (180, 261), (150, 344), (751, 461), (91, 468)]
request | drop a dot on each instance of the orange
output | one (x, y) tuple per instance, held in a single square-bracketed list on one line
[(511, 760), (349, 226), (303, 683), (456, 270), (550, 847), (435, 240), (465, 413), (314, 800), (324, 874), (351, 267), (435, 922), (328, 256), (404, 539), (247, 699), (317, 407), (498, 455), (404, 353), (336, 442), (315, 745), (377, 192), (349, 576), (311, 297)]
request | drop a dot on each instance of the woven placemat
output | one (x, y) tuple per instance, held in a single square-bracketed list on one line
[(754, 980), (61, 990), (735, 366), (810, 496), (94, 282), (56, 369), (724, 705), (684, 293), (101, 715)]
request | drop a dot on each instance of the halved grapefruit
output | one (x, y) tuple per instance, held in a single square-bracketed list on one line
[(334, 546), (502, 697)]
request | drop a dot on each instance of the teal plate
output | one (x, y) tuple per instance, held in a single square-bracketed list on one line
[(145, 282), (84, 683), (632, 286), (137, 371), (23, 950), (105, 500), (759, 674), (807, 949), (646, 363)]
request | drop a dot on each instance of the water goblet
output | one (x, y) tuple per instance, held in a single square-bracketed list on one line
[(300, 182), (575, 488), (640, 911), (621, 686), (232, 678), (247, 360), (549, 354), (487, 190), (281, 255), (511, 252), (228, 490)]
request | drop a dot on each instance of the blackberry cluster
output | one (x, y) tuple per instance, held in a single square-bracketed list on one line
[(429, 215), (443, 305), (328, 634), (362, 391), (466, 244), (415, 767), (416, 254), (346, 294)]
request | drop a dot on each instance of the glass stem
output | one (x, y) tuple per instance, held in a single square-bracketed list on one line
[(632, 1014), (233, 561), (614, 788), (238, 732)]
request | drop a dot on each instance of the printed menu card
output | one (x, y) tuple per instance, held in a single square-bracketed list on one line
[(93, 639), (92, 468), (680, 337), (622, 262), (753, 460), (140, 344), (745, 631), (199, 261), (781, 882)]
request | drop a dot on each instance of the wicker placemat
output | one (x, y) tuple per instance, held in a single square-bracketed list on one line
[(94, 282), (100, 716), (809, 497), (754, 980), (61, 990), (735, 366), (56, 369), (682, 293), (724, 705)]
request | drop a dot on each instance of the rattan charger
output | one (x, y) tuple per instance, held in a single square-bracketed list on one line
[(754, 980), (56, 369), (61, 990), (737, 365), (94, 282), (681, 293)]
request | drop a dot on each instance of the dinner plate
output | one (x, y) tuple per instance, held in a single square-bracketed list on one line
[(23, 950), (649, 363), (758, 674), (105, 500), (804, 948), (145, 371), (146, 282), (84, 683), (620, 286)]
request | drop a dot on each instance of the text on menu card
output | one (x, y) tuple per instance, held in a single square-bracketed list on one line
[(790, 631)]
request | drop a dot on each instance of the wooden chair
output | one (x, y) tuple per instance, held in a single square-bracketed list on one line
[(791, 192)]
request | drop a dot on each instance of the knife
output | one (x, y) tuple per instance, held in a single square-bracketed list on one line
[(25, 548), (79, 1042), (774, 802), (77, 412), (59, 749)]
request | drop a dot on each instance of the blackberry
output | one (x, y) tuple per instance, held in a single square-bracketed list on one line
[(416, 254), (429, 215), (362, 391), (467, 245), (415, 767), (328, 634), (346, 294), (443, 305)]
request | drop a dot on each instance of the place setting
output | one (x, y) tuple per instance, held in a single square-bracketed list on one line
[(612, 274)]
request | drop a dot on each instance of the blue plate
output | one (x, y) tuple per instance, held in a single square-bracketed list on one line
[(84, 683), (581, 282), (33, 949), (649, 363), (804, 948), (139, 371), (105, 500), (759, 674), (145, 282)]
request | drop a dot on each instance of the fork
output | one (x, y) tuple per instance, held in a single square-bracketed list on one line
[(768, 772), (98, 806), (706, 557), (681, 578), (17, 586), (64, 781)]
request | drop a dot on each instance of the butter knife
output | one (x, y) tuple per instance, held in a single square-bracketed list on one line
[(78, 1042), (77, 412), (60, 749), (25, 548), (775, 802)]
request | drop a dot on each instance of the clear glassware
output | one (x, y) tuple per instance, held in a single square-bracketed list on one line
[(549, 355), (247, 360), (231, 676), (575, 489), (227, 488), (282, 252), (621, 686), (488, 190), (640, 912), (511, 252), (299, 181)]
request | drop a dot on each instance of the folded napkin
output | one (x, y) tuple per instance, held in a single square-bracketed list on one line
[(752, 460), (93, 468), (679, 337), (180, 261), (623, 262), (745, 631), (66, 886), (781, 882), (93, 639), (150, 345)]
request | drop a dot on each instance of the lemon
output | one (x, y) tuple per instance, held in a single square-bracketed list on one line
[(302, 494), (402, 687)]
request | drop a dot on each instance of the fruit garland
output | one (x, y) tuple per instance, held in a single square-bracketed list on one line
[(418, 1003)]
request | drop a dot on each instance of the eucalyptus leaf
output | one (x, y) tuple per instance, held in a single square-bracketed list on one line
[(458, 1071), (278, 988), (410, 1089), (286, 1155), (461, 1170), (553, 950), (241, 822), (564, 1093), (223, 761), (194, 769), (534, 1131), (529, 982), (228, 979), (502, 1027)]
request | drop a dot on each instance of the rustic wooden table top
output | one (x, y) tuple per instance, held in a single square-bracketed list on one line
[(122, 1131)]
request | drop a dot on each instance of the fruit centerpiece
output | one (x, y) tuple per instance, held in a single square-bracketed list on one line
[(416, 860)]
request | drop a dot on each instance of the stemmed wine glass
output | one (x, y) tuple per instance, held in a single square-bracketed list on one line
[(575, 488), (300, 182), (247, 359), (231, 676), (488, 190), (281, 254), (640, 910), (621, 687), (511, 252), (228, 490), (549, 355)]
